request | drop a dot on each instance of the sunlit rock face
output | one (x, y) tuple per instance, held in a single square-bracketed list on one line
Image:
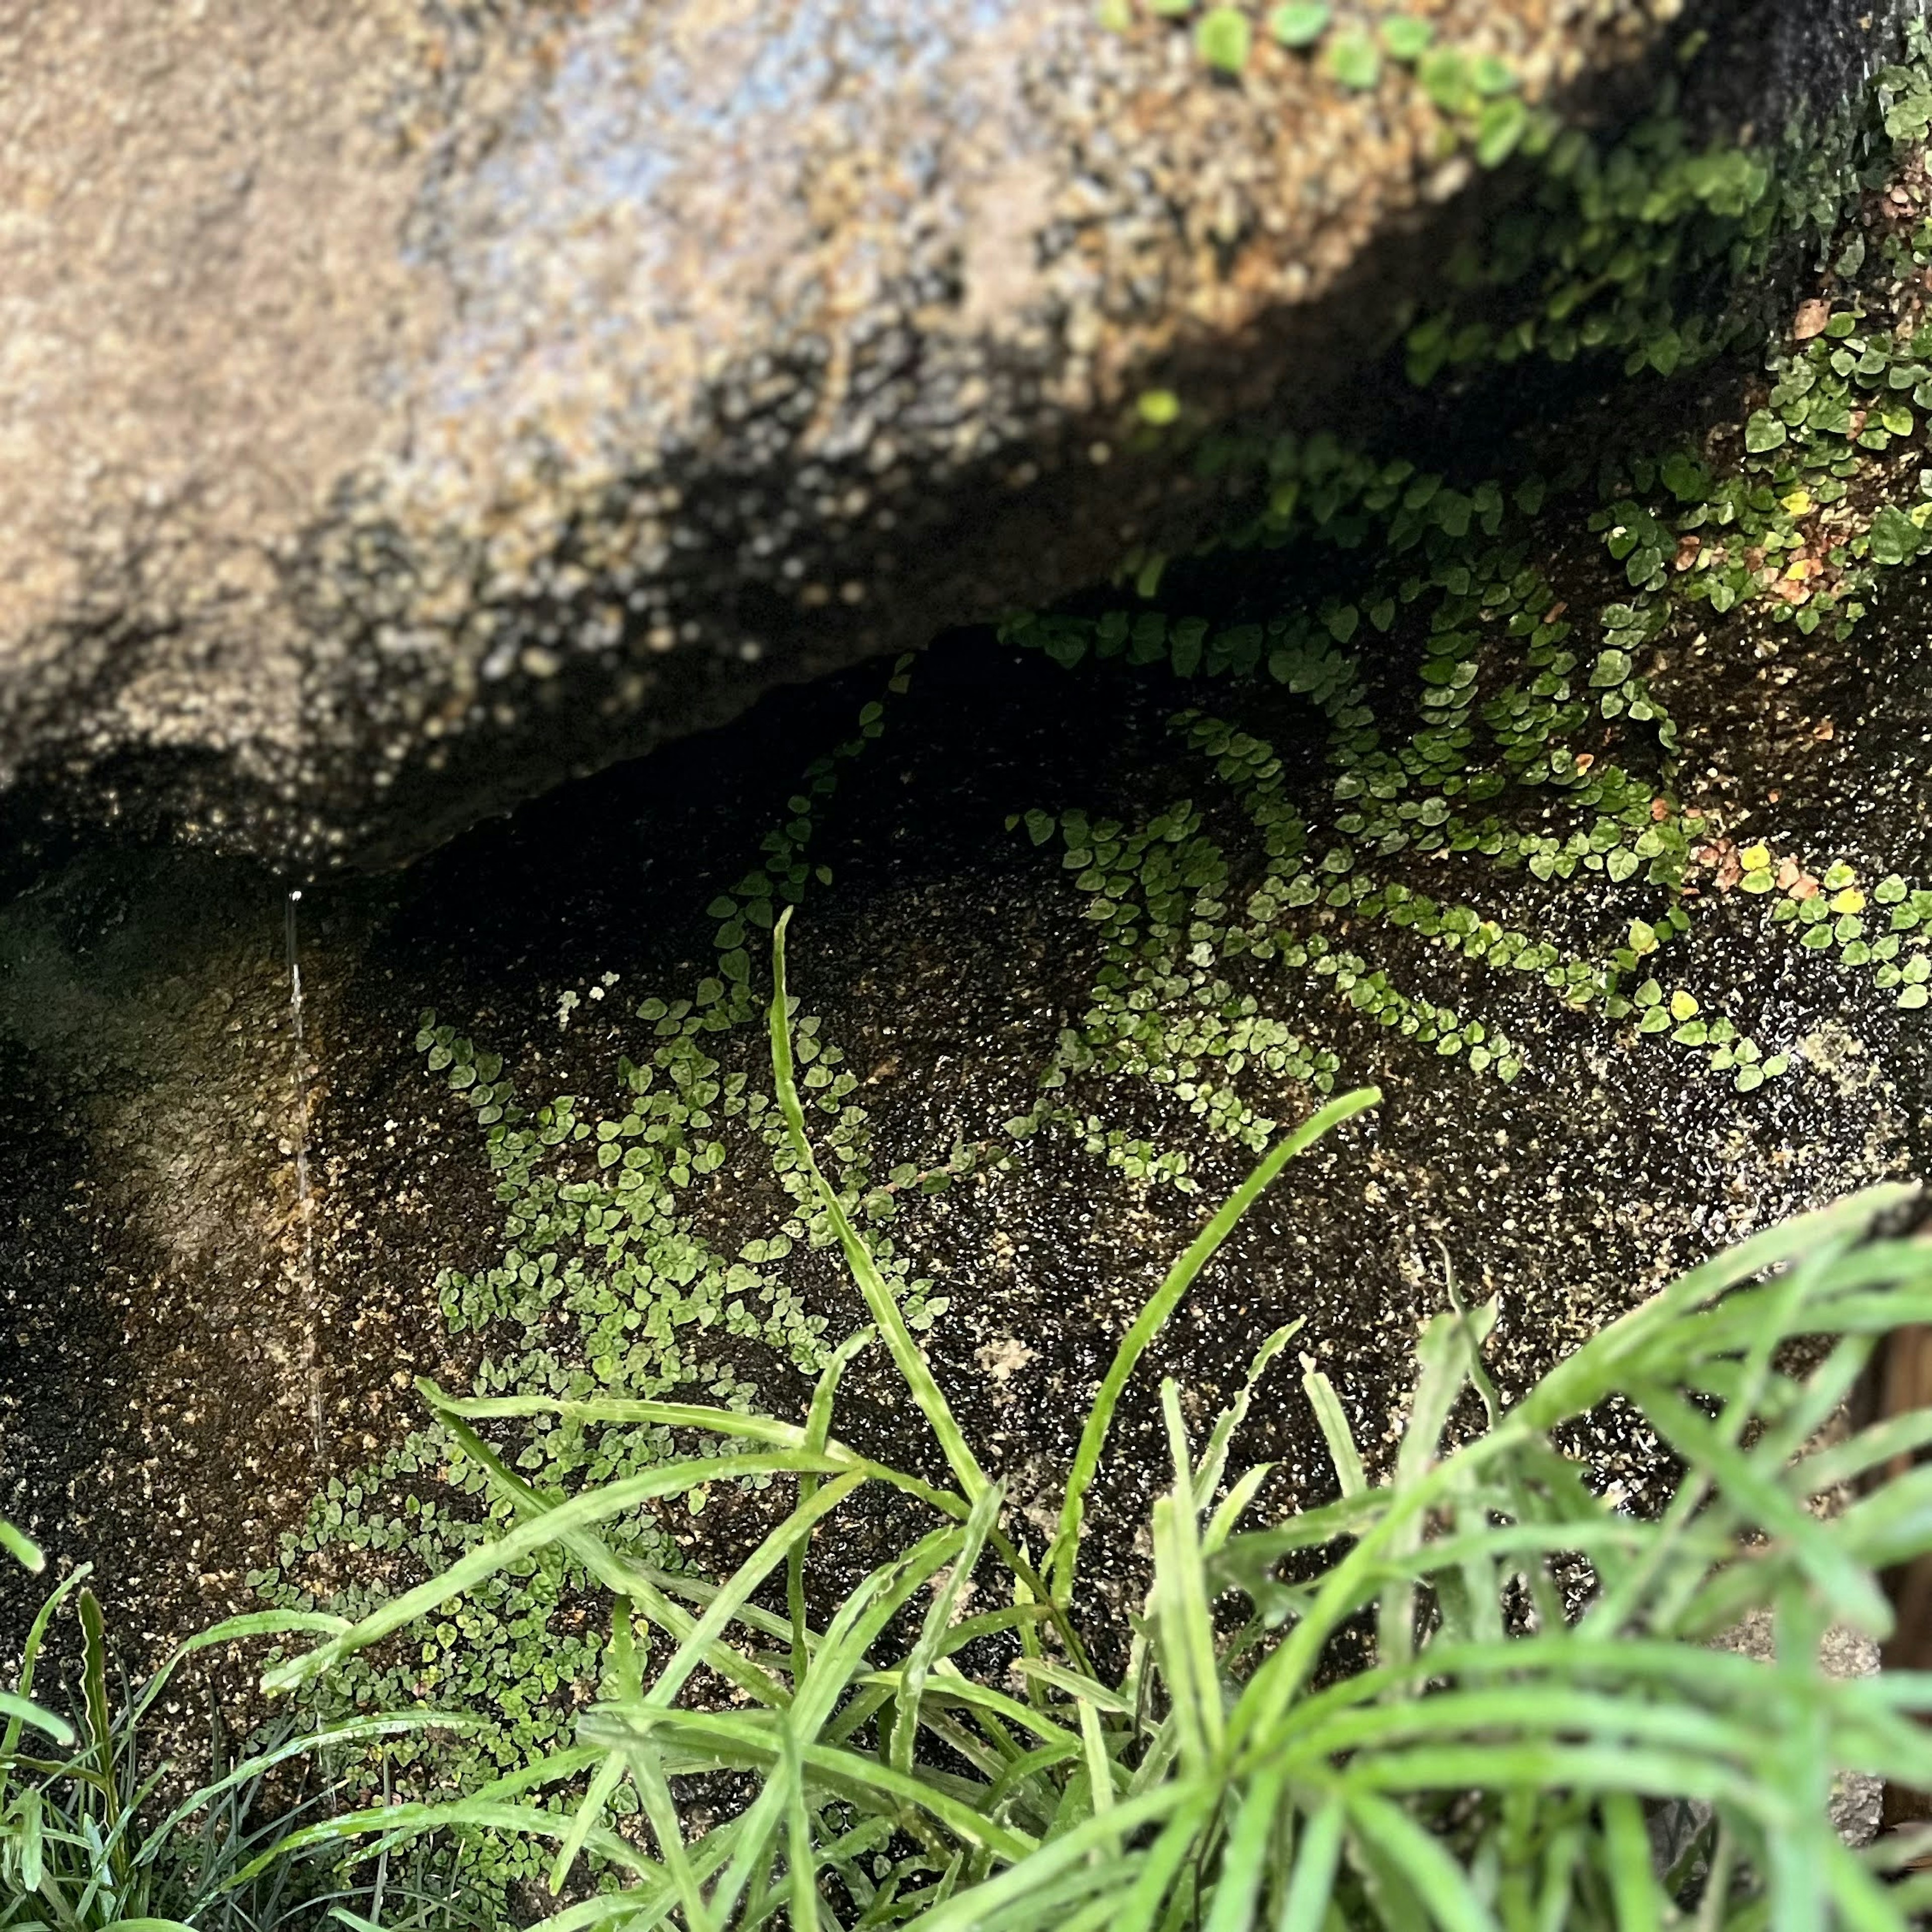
[(402, 405)]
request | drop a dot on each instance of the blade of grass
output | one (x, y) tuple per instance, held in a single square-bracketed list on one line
[(550, 1526), (623, 1578), (938, 1616), (800, 1874), (1237, 1888), (588, 1815), (1184, 1623), (1436, 1876), (660, 1812), (99, 1718), (817, 1430), (1334, 1422), (1214, 1458), (1062, 1557), (737, 1743), (779, 1547), (23, 1549), (911, 1364), (1626, 1850), (25, 1710), (30, 1652)]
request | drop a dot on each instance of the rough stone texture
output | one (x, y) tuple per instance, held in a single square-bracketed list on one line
[(152, 1246), (403, 403)]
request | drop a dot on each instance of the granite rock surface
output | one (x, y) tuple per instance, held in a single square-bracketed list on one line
[(404, 404)]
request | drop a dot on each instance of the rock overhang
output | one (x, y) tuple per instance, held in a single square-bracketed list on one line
[(408, 409)]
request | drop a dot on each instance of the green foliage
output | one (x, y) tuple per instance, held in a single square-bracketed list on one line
[(614, 1278), (1300, 23), (23, 1550), (1465, 89), (1541, 1671), (1502, 774), (88, 1842), (1353, 59), (1640, 244), (1905, 92), (1528, 756), (1223, 38)]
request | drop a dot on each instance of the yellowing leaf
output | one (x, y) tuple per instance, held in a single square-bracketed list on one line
[(1755, 858), (1683, 1005), (1850, 900)]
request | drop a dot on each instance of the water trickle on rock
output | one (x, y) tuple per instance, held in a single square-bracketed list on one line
[(311, 1312)]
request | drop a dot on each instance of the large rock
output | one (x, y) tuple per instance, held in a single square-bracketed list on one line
[(402, 405)]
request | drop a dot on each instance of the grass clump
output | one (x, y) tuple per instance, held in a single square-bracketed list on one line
[(1542, 1713), (93, 1837)]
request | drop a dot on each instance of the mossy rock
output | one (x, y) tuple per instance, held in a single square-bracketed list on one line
[(1572, 791)]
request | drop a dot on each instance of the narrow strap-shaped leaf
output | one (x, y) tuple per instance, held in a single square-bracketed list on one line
[(534, 1533), (724, 1422), (1439, 1880), (818, 1431), (784, 1541), (1238, 1886), (396, 1821), (842, 1652), (1444, 1359), (1627, 1855), (938, 1614), (1862, 1903), (1064, 1555), (1235, 1504), (1897, 1436), (1542, 1766), (623, 1578), (911, 1364), (1099, 1762), (737, 1741), (1184, 1621), (588, 1815), (1586, 1377), (307, 1744), (1847, 1586), (99, 1716), (1087, 1690), (1214, 1462), (753, 1852), (1821, 1396), (1167, 1858), (801, 1872), (1313, 1881), (1336, 1432), (234, 1630), (23, 1549), (660, 1812), (25, 1710), (30, 1650), (1304, 1904)]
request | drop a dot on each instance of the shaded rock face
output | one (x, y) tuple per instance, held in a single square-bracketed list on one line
[(172, 1340), (402, 406)]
